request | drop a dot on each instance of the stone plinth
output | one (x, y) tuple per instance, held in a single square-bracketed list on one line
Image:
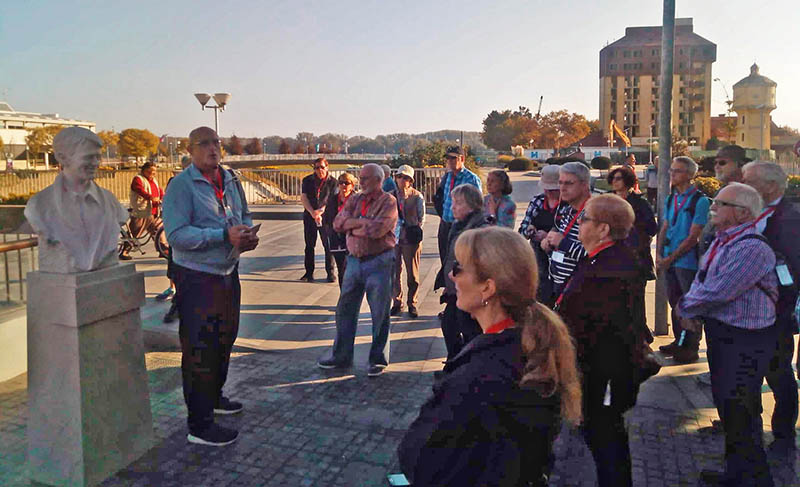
[(87, 383)]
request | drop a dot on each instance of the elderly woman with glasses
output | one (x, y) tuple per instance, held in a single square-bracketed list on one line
[(599, 305), (337, 242), (498, 406), (458, 327)]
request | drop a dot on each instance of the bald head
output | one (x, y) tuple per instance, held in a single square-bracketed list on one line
[(204, 146)]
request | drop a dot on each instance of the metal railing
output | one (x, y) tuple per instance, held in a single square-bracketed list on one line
[(268, 186), (20, 255)]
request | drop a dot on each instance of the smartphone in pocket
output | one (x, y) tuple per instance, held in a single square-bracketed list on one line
[(397, 479)]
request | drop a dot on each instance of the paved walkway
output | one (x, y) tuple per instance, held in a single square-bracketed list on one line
[(303, 426)]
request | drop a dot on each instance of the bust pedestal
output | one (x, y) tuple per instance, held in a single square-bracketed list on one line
[(88, 398)]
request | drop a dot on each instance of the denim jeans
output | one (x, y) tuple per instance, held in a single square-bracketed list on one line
[(372, 276)]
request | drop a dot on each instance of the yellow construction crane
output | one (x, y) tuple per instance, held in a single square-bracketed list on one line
[(613, 128)]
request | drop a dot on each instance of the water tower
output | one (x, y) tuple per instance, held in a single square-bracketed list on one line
[(753, 100)]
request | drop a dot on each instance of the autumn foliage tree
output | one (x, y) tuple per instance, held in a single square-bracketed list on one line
[(502, 129), (137, 143), (40, 139), (234, 146), (110, 139), (254, 147)]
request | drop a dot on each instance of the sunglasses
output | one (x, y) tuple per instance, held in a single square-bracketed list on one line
[(319, 167), (345, 183), (720, 162), (457, 268), (719, 202)]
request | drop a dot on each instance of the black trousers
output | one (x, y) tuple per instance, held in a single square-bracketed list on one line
[(310, 232), (458, 327), (208, 306), (738, 360), (442, 236), (341, 265), (781, 380)]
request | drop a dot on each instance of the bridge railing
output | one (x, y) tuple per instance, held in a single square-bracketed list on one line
[(269, 186), (307, 157)]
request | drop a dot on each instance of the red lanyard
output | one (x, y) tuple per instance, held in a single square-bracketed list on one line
[(319, 188), (500, 326), (364, 206), (343, 201), (546, 205), (575, 218), (675, 202), (770, 210), (219, 192), (452, 180), (591, 255), (718, 243)]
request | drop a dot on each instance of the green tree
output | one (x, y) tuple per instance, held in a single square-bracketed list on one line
[(110, 140), (138, 143), (254, 147), (40, 139)]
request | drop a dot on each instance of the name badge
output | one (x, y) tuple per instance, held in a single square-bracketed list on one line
[(557, 256), (784, 276)]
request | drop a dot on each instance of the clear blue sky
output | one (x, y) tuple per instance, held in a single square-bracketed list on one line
[(354, 67)]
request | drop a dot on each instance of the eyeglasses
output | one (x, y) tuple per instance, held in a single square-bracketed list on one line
[(585, 218), (208, 143), (457, 268), (673, 171), (345, 183), (720, 162), (319, 167), (719, 202)]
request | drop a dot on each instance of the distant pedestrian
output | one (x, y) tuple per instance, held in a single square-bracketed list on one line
[(630, 162), (316, 190), (411, 215), (145, 202), (538, 221), (456, 175), (685, 215), (208, 224), (368, 218), (337, 242), (498, 205), (458, 327), (498, 406), (734, 294), (652, 182), (779, 222), (562, 243)]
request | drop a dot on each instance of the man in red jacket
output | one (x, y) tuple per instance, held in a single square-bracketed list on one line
[(145, 200)]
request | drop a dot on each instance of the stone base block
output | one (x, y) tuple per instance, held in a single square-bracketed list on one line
[(87, 384)]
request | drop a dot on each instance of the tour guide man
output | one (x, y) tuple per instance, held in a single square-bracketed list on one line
[(207, 223), (316, 189), (368, 219)]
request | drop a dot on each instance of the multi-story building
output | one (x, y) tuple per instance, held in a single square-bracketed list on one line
[(753, 100), (14, 127), (630, 69)]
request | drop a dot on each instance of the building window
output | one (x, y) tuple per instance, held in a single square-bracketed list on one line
[(680, 51), (654, 52), (626, 54), (742, 137), (742, 119), (653, 65)]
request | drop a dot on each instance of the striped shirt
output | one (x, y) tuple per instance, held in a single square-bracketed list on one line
[(464, 176), (570, 246), (740, 287)]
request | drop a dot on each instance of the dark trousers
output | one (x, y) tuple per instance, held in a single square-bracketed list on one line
[(781, 380), (738, 360), (605, 435), (341, 265), (208, 306), (310, 232), (679, 281), (442, 236), (458, 327)]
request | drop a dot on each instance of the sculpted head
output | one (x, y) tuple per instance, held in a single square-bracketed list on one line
[(78, 152)]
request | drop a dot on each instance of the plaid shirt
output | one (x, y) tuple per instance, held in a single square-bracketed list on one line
[(526, 228), (464, 176), (740, 287)]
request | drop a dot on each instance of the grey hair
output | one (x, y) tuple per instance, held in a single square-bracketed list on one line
[(470, 194), (688, 162), (577, 169), (769, 172), (374, 169), (748, 197), (68, 140), (387, 171)]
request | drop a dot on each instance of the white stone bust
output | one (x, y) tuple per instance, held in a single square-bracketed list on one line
[(77, 221)]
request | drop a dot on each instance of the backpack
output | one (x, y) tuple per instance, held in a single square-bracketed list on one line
[(692, 204)]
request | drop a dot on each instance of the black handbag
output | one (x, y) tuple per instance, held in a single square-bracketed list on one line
[(414, 234)]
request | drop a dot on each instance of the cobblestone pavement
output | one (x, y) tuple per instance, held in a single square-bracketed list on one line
[(303, 426)]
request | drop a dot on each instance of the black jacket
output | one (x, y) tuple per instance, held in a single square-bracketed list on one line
[(641, 236), (476, 219), (480, 428), (600, 309), (783, 235)]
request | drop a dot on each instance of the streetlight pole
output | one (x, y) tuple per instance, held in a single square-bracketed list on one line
[(222, 100)]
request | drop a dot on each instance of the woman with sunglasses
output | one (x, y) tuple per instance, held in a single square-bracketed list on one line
[(337, 242), (458, 327), (497, 408), (599, 305)]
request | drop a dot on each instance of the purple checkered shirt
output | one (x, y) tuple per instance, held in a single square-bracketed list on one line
[(741, 286)]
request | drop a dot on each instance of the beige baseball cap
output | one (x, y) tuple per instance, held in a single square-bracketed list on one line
[(405, 170), (549, 178)]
